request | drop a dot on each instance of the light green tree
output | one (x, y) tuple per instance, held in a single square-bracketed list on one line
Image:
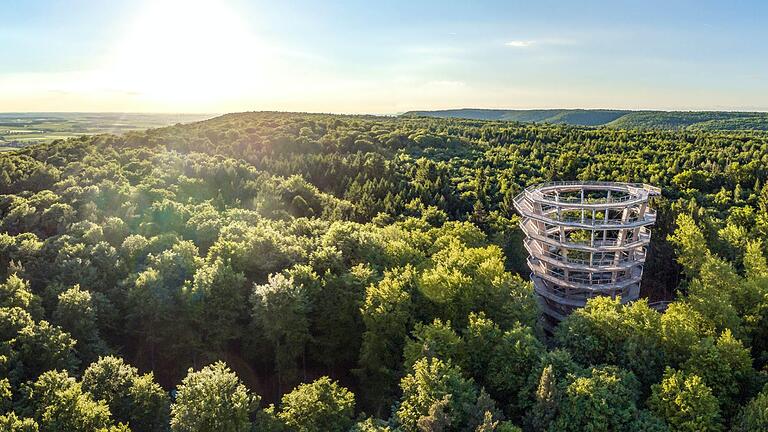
[(682, 328), (512, 361), (371, 425), (9, 422), (320, 406), (58, 403), (686, 403), (607, 332), (435, 392), (725, 366), (434, 340), (387, 313), (41, 347), (690, 244), (132, 398), (76, 314), (15, 292), (212, 400), (603, 400)]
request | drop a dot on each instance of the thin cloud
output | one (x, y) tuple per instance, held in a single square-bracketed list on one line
[(539, 42), (520, 43)]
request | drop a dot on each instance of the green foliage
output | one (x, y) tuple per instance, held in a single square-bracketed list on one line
[(41, 347), (603, 400), (726, 367), (132, 398), (598, 326), (435, 392), (11, 423), (57, 402), (463, 279), (511, 362), (686, 403), (387, 313), (320, 406), (712, 294), (336, 323), (754, 416), (15, 292), (212, 400), (755, 264), (688, 240), (682, 328), (713, 120), (371, 425), (607, 332), (436, 340), (547, 401), (280, 311), (76, 314), (156, 298), (218, 302)]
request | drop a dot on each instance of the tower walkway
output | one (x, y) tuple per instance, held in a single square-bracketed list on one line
[(585, 239)]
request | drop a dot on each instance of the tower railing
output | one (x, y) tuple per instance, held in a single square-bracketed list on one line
[(585, 239)]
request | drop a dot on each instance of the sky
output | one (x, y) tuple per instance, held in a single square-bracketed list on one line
[(384, 57)]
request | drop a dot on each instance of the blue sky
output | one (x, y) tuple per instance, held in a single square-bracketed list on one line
[(381, 57)]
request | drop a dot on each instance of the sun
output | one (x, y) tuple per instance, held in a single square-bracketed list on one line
[(181, 51)]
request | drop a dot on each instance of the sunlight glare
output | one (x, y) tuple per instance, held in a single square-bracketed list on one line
[(197, 51)]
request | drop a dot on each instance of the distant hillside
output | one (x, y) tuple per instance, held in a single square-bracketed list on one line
[(693, 120), (23, 129)]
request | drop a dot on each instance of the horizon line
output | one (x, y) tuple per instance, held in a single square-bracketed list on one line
[(757, 110)]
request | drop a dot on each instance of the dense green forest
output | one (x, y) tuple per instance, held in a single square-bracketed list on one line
[(307, 272), (622, 119)]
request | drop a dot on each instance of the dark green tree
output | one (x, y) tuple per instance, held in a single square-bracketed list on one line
[(280, 310)]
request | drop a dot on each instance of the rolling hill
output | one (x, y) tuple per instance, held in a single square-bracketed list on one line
[(623, 119)]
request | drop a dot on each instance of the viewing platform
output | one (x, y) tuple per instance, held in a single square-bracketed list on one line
[(585, 239)]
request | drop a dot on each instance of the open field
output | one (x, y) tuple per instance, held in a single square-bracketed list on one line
[(23, 129)]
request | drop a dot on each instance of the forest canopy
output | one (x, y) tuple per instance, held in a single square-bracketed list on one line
[(307, 272)]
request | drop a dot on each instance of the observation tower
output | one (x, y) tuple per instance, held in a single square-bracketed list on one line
[(585, 239)]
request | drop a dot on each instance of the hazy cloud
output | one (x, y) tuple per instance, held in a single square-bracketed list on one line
[(520, 43), (540, 42)]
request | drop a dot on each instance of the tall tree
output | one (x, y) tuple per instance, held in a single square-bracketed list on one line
[(387, 314), (280, 309), (218, 305), (75, 313)]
